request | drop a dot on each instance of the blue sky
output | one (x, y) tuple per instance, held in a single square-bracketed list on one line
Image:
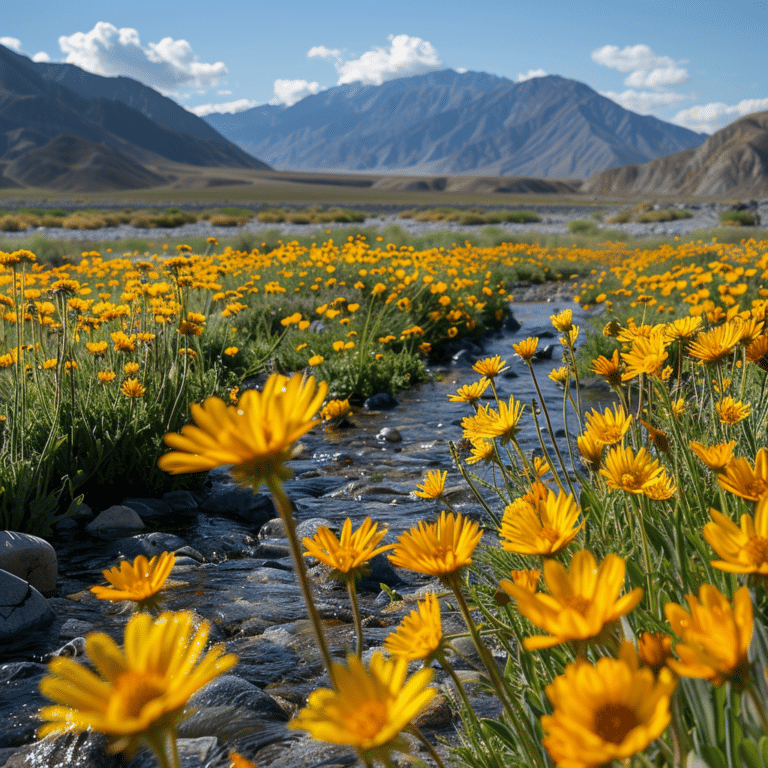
[(698, 63)]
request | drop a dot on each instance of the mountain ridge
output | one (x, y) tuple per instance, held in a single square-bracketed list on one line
[(449, 123)]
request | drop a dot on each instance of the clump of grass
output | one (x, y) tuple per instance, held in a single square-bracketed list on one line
[(582, 227), (645, 213), (740, 218)]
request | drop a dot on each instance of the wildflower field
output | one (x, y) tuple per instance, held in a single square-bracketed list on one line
[(614, 589)]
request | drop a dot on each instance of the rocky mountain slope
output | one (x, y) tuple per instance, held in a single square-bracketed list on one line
[(36, 108), (732, 161), (450, 123)]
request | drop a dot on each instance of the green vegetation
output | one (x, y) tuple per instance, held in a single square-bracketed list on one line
[(740, 218)]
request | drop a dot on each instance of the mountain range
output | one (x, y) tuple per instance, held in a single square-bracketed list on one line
[(62, 127), (735, 159), (451, 123)]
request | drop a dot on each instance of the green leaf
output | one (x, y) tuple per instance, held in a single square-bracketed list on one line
[(749, 754)]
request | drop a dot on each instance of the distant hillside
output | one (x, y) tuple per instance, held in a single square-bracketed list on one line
[(36, 107), (732, 161), (447, 123)]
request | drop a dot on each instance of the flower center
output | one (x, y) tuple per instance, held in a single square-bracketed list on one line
[(549, 534), (368, 720), (631, 481), (613, 721), (757, 550), (756, 487), (579, 603), (133, 691)]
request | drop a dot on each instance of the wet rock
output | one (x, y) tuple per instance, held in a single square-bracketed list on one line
[(389, 435), (274, 529), (313, 486), (182, 501), (463, 359), (30, 558), (20, 702), (263, 662), (228, 706), (255, 508), (22, 609), (381, 401), (309, 528), (511, 324), (115, 522), (148, 507), (81, 750), (436, 716), (545, 353), (147, 544)]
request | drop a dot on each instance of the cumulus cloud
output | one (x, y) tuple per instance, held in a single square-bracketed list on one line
[(288, 92), (167, 65), (404, 57), (225, 108), (530, 74), (708, 118), (11, 42), (644, 102), (321, 52), (41, 56), (645, 70)]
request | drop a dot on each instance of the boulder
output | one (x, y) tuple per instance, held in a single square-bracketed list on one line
[(115, 522), (30, 558), (22, 609)]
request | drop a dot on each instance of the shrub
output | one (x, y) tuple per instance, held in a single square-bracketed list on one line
[(580, 226), (740, 218)]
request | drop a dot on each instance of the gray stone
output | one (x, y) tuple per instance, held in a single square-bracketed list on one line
[(148, 507), (181, 501), (20, 702), (115, 522), (275, 529), (381, 401), (389, 435), (228, 705), (30, 558), (22, 609), (256, 508), (147, 544)]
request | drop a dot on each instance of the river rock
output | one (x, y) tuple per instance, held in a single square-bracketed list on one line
[(381, 401), (389, 435), (147, 544), (229, 706), (20, 701), (30, 558), (22, 609), (115, 522), (182, 501), (148, 507), (255, 508)]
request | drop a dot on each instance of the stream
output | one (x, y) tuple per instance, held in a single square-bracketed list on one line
[(234, 569)]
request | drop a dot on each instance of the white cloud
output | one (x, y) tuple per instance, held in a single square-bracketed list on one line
[(658, 79), (167, 65), (224, 93), (530, 74), (630, 58), (405, 56), (41, 56), (646, 70), (11, 42), (708, 118), (227, 107), (288, 92), (320, 51), (644, 102)]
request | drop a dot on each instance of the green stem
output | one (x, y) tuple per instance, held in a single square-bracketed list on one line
[(423, 739), (352, 592), (284, 508)]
